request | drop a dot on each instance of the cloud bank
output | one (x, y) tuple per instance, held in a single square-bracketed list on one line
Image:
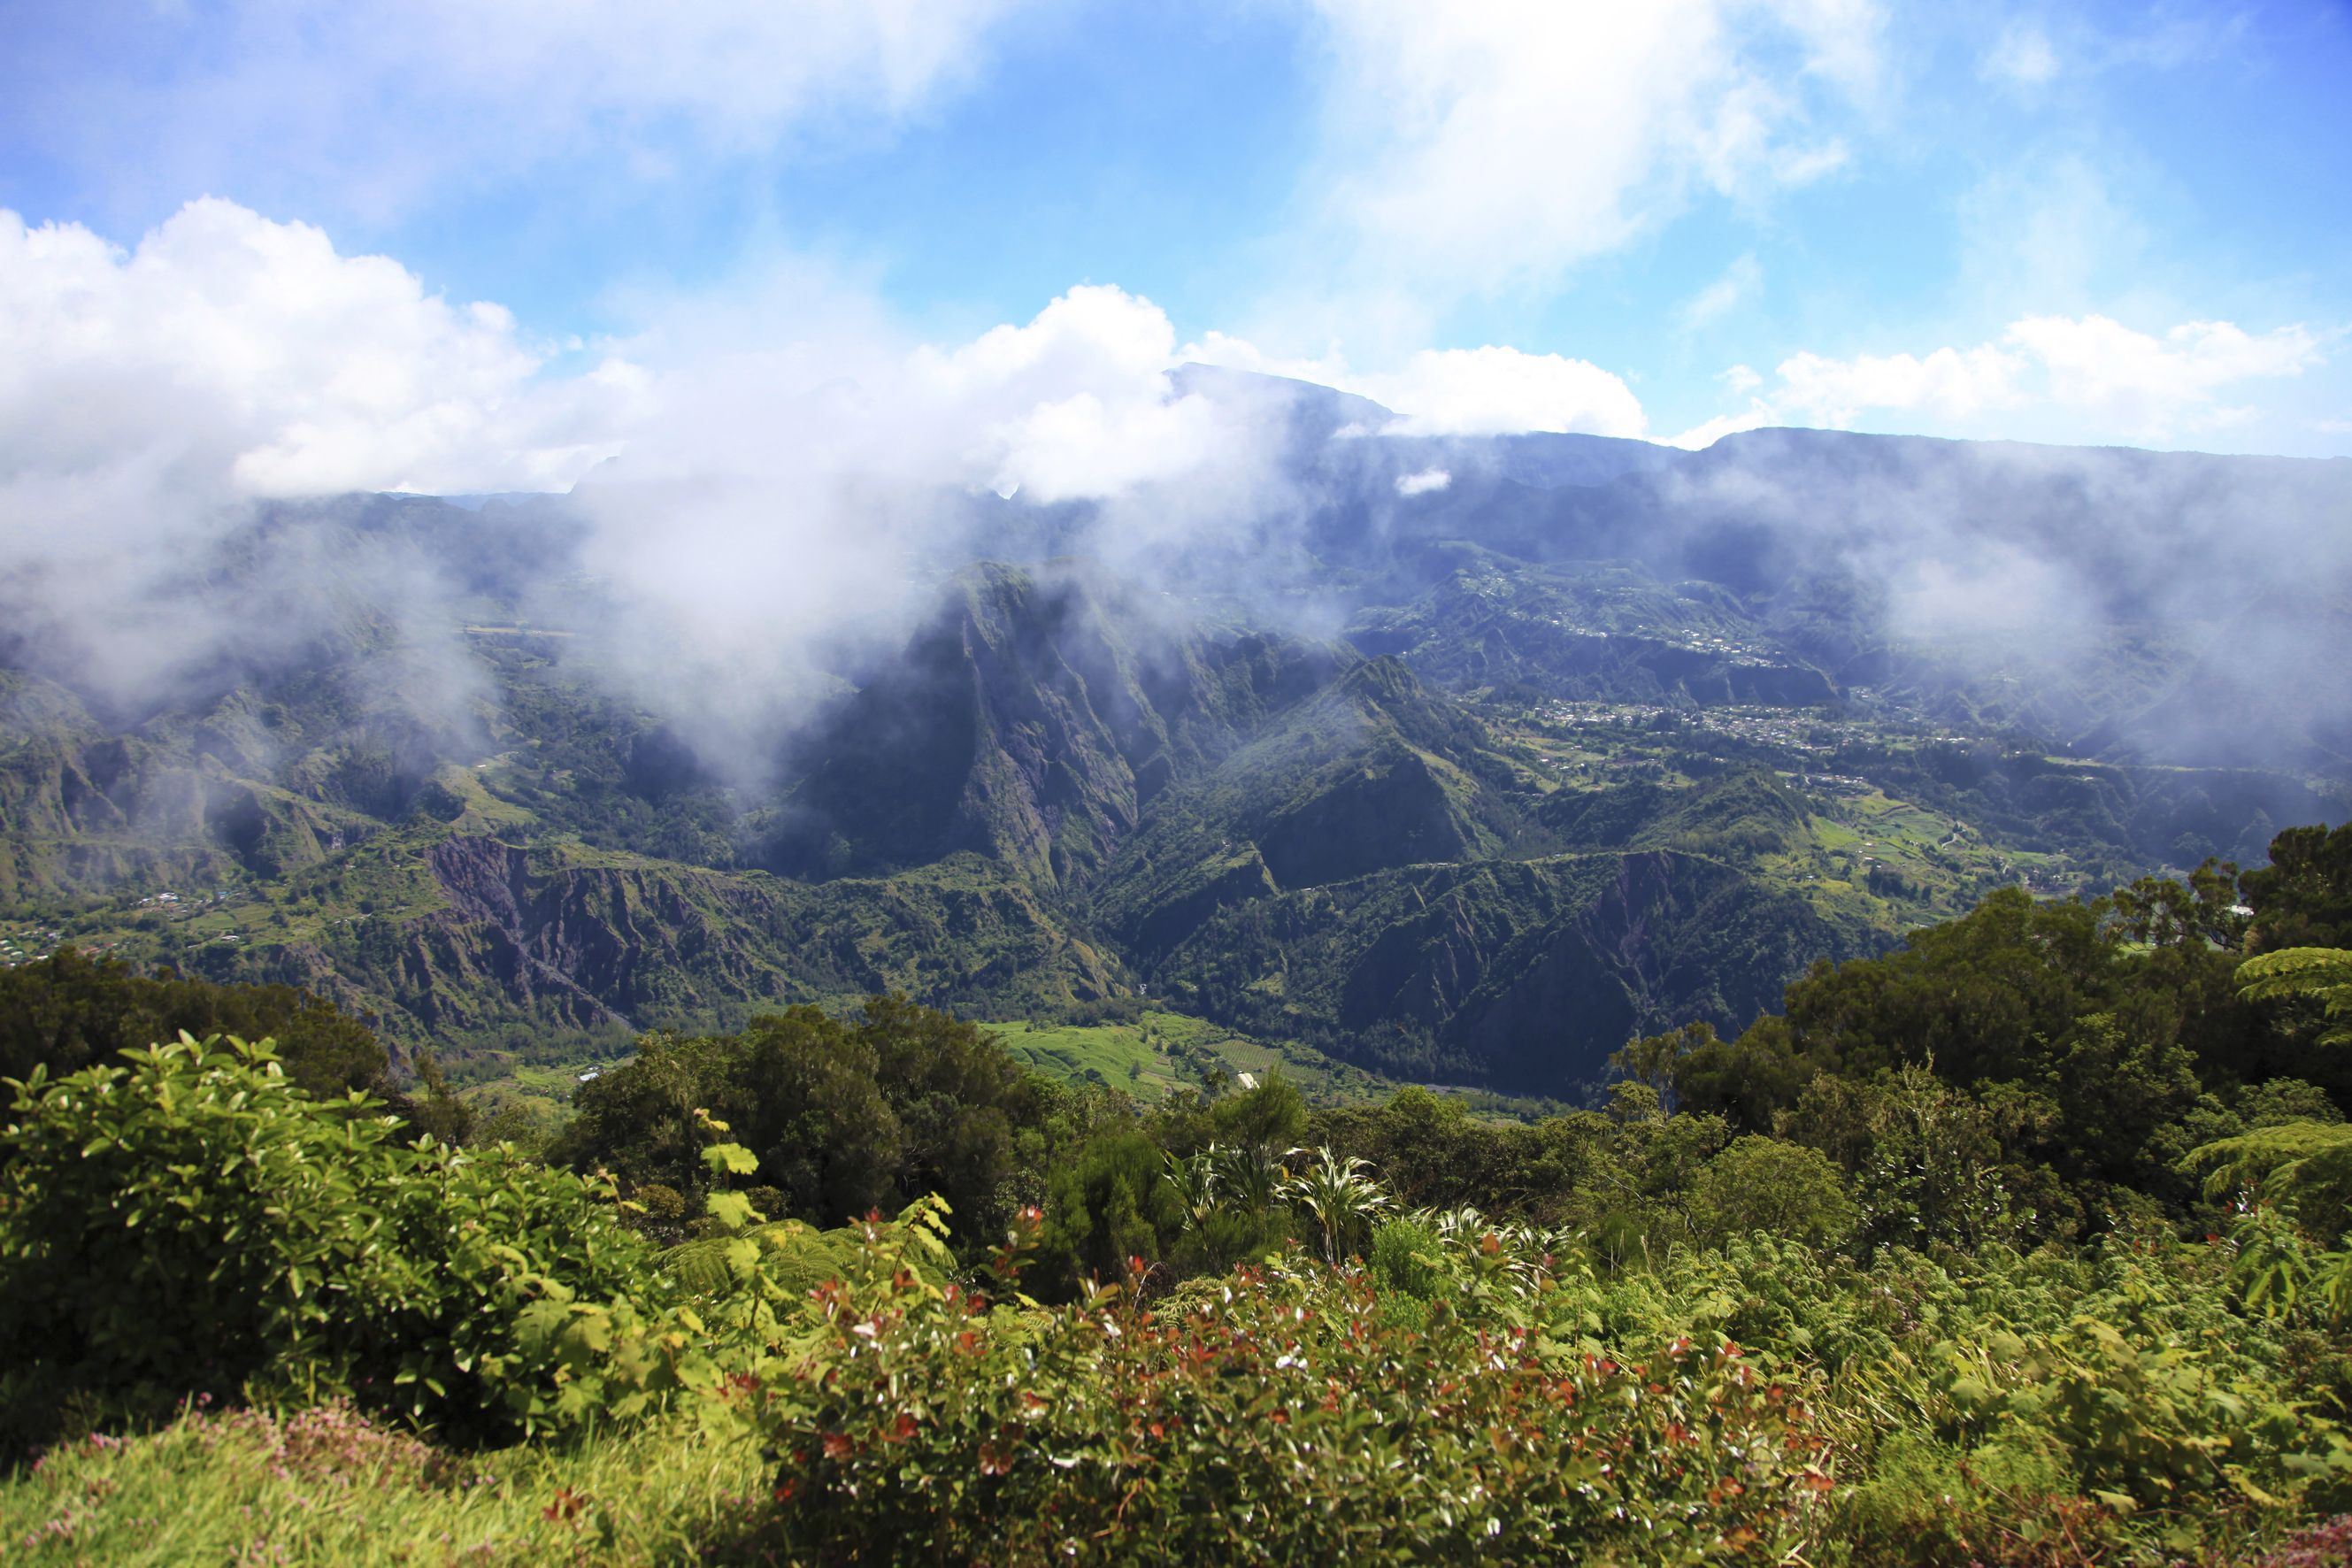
[(2088, 374), (764, 469), (768, 472), (228, 356)]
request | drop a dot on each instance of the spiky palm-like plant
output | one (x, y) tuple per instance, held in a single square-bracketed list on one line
[(1247, 1178), (1196, 1183), (1341, 1193)]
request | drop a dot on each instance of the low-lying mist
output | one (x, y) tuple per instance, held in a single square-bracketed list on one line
[(766, 504)]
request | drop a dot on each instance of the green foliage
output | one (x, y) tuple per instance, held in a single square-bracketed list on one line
[(841, 1115), (2320, 977), (1433, 1153), (1408, 1258), (794, 1258), (328, 1485), (1113, 1203), (1995, 1407), (1767, 1184), (2303, 896), (69, 1011), (1941, 1313), (2306, 1166), (1282, 1419), (2072, 1054), (1655, 1060), (191, 1222), (1338, 1195)]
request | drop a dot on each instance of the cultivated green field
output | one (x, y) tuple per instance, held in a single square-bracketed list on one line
[(1159, 1052)]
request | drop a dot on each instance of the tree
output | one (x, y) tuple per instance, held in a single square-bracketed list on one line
[(960, 1101), (2303, 896), (845, 1115), (2161, 912), (2304, 1166), (70, 1011), (1767, 1184), (1925, 1157), (1112, 1203), (1657, 1059)]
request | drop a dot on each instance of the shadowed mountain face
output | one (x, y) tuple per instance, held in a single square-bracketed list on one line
[(1464, 778), (1031, 722)]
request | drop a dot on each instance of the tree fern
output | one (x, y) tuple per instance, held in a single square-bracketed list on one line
[(2302, 1166), (2315, 974)]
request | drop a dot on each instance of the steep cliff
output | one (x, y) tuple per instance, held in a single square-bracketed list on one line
[(484, 934)]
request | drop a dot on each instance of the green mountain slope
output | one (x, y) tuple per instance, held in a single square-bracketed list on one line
[(1522, 974), (1373, 771), (1029, 723), (1554, 787), (443, 933), (1586, 630)]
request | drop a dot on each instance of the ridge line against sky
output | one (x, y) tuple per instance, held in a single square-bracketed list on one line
[(243, 237)]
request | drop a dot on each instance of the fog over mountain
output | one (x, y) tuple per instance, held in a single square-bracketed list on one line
[(2164, 605), (836, 636)]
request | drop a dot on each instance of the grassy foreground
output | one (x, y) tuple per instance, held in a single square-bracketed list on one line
[(327, 1485)]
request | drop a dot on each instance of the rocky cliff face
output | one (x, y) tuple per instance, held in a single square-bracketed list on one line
[(556, 938), (648, 942)]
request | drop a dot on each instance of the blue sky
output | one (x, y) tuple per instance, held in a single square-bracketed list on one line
[(2111, 224)]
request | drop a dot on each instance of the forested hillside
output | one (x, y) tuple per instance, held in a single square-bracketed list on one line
[(2024, 1243)]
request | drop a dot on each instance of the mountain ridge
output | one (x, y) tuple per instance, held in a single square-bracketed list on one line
[(1580, 693)]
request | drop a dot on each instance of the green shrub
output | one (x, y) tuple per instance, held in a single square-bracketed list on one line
[(1408, 1258), (1279, 1418), (795, 1258), (328, 1485), (192, 1222)]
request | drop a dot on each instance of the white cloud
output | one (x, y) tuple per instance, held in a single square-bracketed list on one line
[(2087, 377), (1740, 282), (1488, 145), (780, 451), (1949, 384), (1489, 390), (1425, 482), (1756, 416), (228, 356), (1330, 369), (2152, 384), (145, 395), (1740, 378), (1076, 403), (1501, 391)]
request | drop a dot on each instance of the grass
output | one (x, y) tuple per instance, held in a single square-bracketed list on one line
[(1162, 1051), (1120, 1055), (328, 1486)]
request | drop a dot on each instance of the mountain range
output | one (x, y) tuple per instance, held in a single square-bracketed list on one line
[(1465, 761)]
